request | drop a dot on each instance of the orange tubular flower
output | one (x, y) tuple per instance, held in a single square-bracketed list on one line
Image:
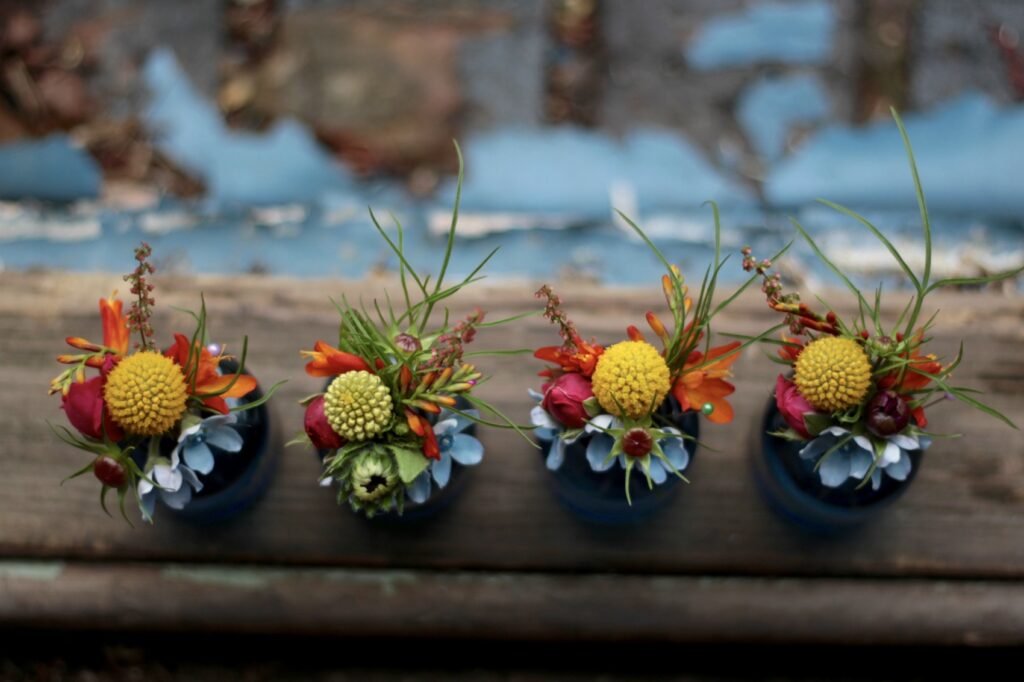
[(791, 348), (580, 358), (327, 361), (912, 379), (208, 379), (115, 334), (696, 387), (422, 428), (115, 325)]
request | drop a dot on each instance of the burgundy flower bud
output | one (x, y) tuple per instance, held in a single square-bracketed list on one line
[(319, 429), (84, 406), (564, 398), (408, 343), (637, 442), (887, 414), (792, 406), (109, 471)]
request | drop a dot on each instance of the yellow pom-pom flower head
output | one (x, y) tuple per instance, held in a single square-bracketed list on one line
[(358, 405), (631, 379), (833, 373), (146, 393)]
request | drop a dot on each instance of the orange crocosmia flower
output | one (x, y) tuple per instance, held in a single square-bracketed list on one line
[(580, 358), (913, 380), (422, 428), (115, 334), (791, 348), (208, 379), (115, 325), (695, 387), (327, 361)]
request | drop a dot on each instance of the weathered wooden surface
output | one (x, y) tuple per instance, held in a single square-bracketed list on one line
[(962, 519), (593, 606)]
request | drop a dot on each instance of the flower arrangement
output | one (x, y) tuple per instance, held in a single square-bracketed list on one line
[(149, 418), (859, 388), (399, 409), (621, 398)]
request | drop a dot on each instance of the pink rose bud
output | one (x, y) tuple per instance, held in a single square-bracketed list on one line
[(887, 414), (564, 398), (792, 405), (319, 429), (84, 406)]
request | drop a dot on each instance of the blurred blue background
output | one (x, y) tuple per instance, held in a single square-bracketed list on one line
[(251, 135)]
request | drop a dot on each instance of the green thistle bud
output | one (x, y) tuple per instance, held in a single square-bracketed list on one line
[(374, 476), (358, 405)]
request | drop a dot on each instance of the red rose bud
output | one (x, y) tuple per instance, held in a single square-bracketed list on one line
[(84, 406), (792, 406), (887, 414), (564, 398), (319, 429), (637, 442), (109, 471)]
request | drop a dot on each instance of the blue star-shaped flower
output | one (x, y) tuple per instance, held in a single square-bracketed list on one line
[(454, 445)]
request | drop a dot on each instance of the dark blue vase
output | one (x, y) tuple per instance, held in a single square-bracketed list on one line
[(793, 488), (238, 479), (601, 496)]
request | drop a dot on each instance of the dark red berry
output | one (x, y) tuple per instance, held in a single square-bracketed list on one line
[(109, 471), (637, 442)]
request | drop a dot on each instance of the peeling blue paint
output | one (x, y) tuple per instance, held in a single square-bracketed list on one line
[(968, 153), (770, 108), (281, 165), (52, 168), (783, 33), (575, 172)]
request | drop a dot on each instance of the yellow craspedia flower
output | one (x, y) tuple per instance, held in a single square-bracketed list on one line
[(631, 374), (145, 393), (833, 373), (358, 405)]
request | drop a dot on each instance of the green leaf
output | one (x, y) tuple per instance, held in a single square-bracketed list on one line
[(881, 237), (266, 396), (926, 225), (301, 439), (411, 463), (816, 422), (969, 281), (828, 263), (592, 406)]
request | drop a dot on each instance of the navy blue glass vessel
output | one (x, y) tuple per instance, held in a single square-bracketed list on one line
[(238, 479), (601, 496), (793, 488)]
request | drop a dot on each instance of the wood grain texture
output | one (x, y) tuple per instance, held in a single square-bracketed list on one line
[(503, 606), (963, 517)]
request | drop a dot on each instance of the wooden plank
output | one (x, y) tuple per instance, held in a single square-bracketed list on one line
[(963, 516), (502, 606)]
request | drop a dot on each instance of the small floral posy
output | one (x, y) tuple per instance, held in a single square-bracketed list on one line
[(395, 416), (143, 399), (618, 398), (860, 388)]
